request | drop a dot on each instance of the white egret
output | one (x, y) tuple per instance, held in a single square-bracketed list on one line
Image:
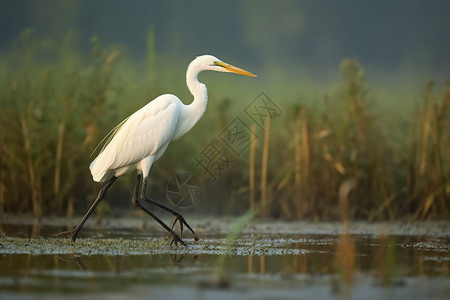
[(138, 141)]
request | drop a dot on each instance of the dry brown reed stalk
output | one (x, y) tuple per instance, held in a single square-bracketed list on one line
[(346, 257), (250, 264), (264, 167), (426, 127), (34, 185), (298, 164), (344, 206), (58, 158), (252, 168), (346, 250), (303, 151), (262, 264), (306, 147)]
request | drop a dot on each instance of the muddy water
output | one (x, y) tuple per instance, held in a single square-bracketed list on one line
[(267, 261)]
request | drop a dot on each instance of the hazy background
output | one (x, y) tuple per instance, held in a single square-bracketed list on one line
[(296, 48), (389, 37)]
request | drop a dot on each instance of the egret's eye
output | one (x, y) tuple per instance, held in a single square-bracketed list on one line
[(218, 63)]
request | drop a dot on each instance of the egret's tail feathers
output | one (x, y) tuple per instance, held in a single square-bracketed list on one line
[(96, 174), (99, 172)]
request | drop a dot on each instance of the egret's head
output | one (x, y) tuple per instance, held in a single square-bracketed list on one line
[(209, 62)]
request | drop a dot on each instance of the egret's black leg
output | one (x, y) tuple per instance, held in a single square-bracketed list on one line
[(178, 216), (175, 237), (73, 233), (181, 226)]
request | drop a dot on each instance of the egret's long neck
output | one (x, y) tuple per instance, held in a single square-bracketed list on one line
[(196, 109)]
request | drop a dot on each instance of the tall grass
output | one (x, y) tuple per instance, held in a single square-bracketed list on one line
[(345, 138), (50, 121), (428, 179), (56, 105)]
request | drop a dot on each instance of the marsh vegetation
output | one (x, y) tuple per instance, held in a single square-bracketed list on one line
[(56, 105)]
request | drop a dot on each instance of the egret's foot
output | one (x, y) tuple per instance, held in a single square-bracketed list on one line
[(176, 239), (180, 219), (71, 233)]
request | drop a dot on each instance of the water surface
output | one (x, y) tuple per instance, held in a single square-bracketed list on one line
[(271, 260)]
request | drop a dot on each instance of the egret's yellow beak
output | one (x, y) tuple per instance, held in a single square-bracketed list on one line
[(233, 69)]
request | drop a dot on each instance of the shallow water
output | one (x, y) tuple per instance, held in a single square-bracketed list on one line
[(271, 260)]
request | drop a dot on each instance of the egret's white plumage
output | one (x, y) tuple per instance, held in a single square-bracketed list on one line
[(145, 133), (141, 139)]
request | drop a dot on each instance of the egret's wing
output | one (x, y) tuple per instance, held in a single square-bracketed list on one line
[(142, 134), (145, 132)]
